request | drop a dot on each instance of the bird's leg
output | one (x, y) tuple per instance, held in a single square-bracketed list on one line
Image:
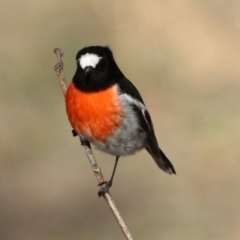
[(108, 184)]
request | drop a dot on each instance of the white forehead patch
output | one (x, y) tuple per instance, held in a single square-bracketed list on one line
[(89, 60)]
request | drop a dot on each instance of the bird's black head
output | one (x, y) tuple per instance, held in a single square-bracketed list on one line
[(96, 69)]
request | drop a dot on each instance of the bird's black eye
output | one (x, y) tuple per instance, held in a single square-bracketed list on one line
[(101, 66)]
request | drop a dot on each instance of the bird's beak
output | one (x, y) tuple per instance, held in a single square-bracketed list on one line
[(88, 71)]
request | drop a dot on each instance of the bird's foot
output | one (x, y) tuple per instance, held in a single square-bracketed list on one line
[(105, 188)]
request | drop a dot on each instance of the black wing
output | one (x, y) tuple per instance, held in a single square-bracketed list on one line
[(146, 124), (127, 87)]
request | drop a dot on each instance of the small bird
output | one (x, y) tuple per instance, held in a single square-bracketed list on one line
[(105, 109)]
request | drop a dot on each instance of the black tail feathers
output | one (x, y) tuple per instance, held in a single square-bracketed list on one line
[(164, 163), (161, 160)]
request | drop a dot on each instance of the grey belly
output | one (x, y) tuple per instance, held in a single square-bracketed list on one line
[(126, 140)]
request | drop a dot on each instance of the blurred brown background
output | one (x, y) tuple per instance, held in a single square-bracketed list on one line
[(184, 57)]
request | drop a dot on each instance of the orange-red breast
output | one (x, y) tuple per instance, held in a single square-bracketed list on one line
[(106, 109)]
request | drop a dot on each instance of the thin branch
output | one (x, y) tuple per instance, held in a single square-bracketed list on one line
[(96, 170)]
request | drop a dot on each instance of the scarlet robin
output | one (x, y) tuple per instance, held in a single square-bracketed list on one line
[(107, 110)]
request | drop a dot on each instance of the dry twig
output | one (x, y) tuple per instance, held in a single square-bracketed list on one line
[(97, 171)]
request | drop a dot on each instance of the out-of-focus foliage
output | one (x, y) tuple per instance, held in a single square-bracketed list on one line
[(184, 57)]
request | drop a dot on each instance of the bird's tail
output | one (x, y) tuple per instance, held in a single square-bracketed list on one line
[(161, 160)]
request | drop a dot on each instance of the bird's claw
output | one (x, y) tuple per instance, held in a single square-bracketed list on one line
[(105, 188)]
